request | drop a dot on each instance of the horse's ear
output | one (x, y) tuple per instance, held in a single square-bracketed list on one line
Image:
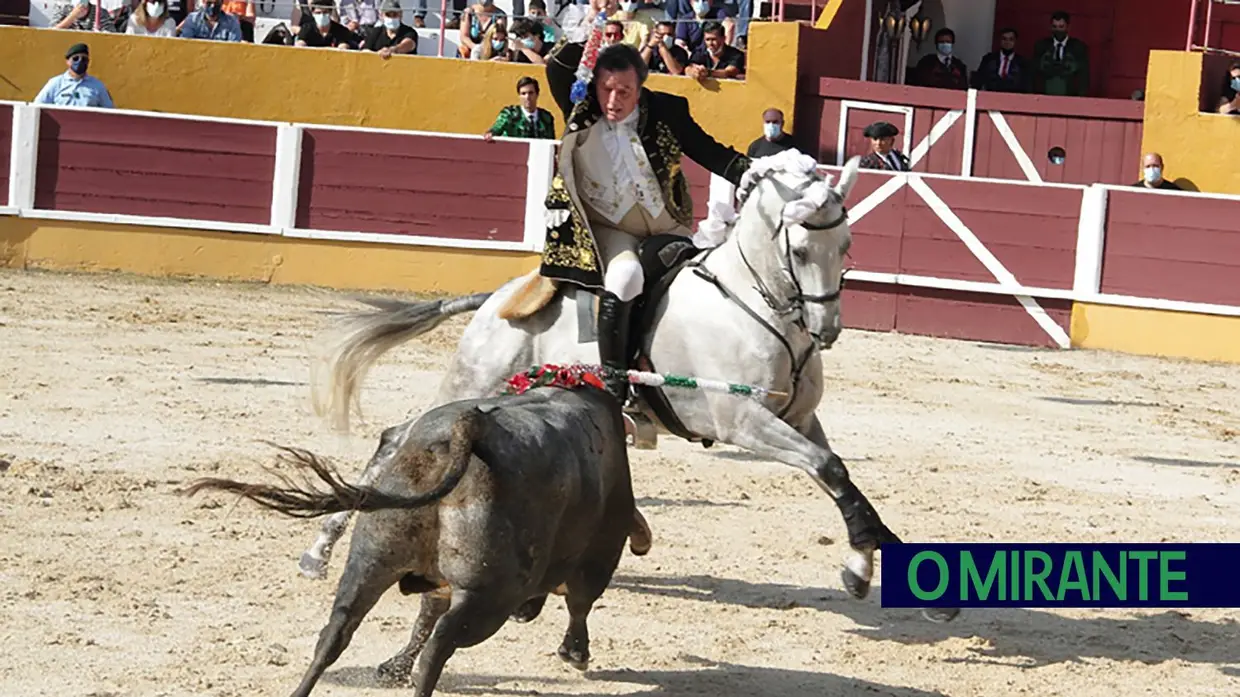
[(848, 177)]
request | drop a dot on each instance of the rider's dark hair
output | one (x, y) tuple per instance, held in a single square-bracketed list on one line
[(618, 58)]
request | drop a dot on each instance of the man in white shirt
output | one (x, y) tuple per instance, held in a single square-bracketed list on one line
[(619, 181)]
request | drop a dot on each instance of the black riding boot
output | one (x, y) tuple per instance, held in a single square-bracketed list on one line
[(613, 342)]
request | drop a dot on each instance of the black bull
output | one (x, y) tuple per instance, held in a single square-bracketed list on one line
[(484, 506)]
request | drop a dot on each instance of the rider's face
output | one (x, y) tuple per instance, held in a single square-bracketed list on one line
[(617, 93)]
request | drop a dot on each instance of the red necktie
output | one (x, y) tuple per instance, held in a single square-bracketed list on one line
[(1003, 65)]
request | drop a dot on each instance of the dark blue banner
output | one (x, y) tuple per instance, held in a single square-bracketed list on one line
[(1028, 575)]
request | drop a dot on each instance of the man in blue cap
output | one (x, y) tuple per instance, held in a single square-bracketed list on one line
[(74, 87)]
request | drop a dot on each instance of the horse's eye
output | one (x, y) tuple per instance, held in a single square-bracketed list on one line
[(800, 253)]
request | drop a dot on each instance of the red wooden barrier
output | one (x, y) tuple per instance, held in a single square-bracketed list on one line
[(6, 145), (143, 165), (1174, 247), (457, 188)]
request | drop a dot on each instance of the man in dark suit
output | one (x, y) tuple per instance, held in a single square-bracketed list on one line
[(941, 69), (1004, 70), (618, 181), (1061, 61), (882, 137)]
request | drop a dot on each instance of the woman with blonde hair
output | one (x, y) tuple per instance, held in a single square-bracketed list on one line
[(151, 18), (494, 44)]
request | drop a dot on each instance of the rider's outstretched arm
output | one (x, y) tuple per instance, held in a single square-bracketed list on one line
[(697, 143)]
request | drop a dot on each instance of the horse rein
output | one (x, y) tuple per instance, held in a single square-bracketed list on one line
[(794, 303)]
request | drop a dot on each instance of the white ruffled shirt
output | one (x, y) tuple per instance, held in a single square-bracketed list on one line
[(633, 177)]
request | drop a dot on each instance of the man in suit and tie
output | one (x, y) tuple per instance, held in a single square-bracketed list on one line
[(1062, 61), (882, 137), (1003, 70)]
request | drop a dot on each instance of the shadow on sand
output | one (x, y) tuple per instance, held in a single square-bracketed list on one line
[(712, 679), (1027, 638)]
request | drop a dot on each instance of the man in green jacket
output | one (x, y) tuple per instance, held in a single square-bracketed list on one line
[(1061, 62)]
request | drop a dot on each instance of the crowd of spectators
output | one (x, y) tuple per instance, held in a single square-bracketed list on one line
[(695, 38)]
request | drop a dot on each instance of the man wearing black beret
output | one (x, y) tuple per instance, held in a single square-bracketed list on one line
[(882, 137)]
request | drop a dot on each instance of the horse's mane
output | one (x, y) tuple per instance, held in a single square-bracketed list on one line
[(721, 218)]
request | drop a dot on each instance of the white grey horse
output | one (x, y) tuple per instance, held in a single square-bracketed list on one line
[(757, 309)]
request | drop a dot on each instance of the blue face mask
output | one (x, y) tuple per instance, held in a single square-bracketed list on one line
[(668, 41), (1153, 173), (528, 43), (497, 45), (701, 8), (771, 130), (79, 64), (391, 23), (945, 49), (1235, 83)]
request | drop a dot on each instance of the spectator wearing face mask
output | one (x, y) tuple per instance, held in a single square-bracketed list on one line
[(210, 22), (661, 53), (325, 32), (393, 35), (715, 58), (530, 46), (524, 120), (80, 15), (477, 21), (1229, 103), (151, 18), (538, 13), (1152, 174), (774, 140), (494, 45), (74, 87), (690, 29), (940, 69)]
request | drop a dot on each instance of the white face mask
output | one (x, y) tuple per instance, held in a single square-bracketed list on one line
[(1153, 174), (154, 9), (771, 129), (322, 19), (628, 6), (392, 23)]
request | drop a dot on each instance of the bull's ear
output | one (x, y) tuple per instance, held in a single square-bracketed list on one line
[(848, 177)]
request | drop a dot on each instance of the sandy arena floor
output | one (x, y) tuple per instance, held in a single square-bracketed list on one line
[(114, 391)]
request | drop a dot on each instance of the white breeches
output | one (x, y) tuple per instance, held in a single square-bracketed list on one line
[(623, 272)]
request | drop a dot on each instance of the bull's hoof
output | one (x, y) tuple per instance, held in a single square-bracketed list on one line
[(856, 586), (312, 567), (940, 615), (577, 659), (530, 610), (394, 672)]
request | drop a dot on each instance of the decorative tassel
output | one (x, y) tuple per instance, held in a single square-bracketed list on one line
[(578, 375), (585, 69)]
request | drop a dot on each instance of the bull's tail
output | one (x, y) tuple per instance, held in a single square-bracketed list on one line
[(366, 337), (307, 502)]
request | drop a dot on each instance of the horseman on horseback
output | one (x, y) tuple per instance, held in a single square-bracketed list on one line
[(619, 181)]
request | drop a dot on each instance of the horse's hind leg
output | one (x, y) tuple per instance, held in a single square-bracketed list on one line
[(313, 562)]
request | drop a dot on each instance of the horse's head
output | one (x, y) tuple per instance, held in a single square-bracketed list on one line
[(793, 233)]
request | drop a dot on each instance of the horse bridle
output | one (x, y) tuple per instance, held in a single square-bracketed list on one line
[(796, 302)]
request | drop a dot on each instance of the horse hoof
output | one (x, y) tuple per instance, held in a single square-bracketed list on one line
[(394, 673), (312, 567), (857, 587), (940, 615), (577, 659)]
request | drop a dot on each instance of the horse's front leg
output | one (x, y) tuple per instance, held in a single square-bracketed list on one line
[(859, 583), (755, 428)]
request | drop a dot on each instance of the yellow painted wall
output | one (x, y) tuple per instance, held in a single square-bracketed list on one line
[(1201, 147), (71, 246), (282, 83), (1156, 332)]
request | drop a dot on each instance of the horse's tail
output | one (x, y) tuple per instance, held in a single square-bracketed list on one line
[(306, 502), (367, 337)]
